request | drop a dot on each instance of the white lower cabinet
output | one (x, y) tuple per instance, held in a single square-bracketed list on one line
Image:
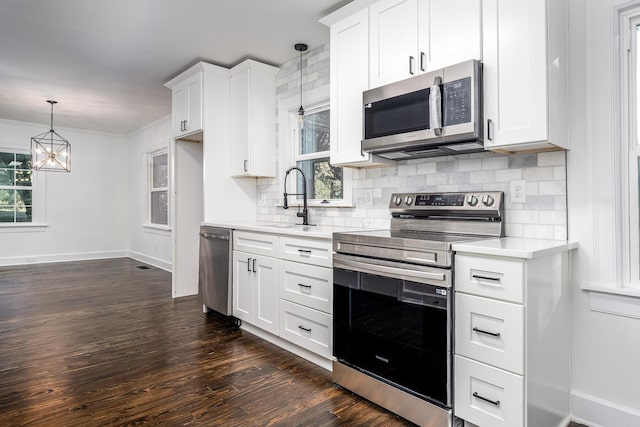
[(255, 290), (511, 315), (284, 285), (310, 329), (487, 396)]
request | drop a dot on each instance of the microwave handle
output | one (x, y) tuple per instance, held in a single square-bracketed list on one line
[(435, 107)]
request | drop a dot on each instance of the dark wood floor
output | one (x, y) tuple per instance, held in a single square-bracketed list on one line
[(95, 343)]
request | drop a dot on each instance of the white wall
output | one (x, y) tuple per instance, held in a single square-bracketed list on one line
[(150, 245), (86, 210), (606, 347)]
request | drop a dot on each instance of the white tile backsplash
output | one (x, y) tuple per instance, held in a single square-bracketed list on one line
[(542, 216)]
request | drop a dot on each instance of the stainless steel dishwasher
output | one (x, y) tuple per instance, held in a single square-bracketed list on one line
[(214, 278)]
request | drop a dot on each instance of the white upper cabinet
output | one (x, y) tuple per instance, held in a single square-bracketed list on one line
[(394, 40), (525, 75), (349, 77), (409, 37), (449, 31), (253, 119), (187, 103)]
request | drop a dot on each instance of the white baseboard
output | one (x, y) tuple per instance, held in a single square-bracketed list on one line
[(596, 412), (80, 256), (161, 264), (85, 256)]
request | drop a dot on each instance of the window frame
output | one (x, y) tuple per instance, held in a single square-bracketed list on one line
[(38, 183), (150, 189), (629, 147), (314, 100)]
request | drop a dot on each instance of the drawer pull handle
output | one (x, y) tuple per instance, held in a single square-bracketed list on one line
[(493, 402), (304, 251), (249, 265), (254, 265), (493, 279), (493, 334), (302, 285), (304, 329)]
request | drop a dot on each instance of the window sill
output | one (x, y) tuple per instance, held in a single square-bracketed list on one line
[(22, 227), (155, 228), (616, 301)]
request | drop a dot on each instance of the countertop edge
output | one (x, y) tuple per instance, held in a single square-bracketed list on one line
[(515, 247), (318, 232)]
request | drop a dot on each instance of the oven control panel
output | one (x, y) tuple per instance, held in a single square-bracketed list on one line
[(477, 200)]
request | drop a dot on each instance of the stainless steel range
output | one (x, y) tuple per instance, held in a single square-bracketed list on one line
[(393, 301)]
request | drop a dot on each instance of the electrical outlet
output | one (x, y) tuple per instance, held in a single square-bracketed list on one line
[(368, 197), (518, 191)]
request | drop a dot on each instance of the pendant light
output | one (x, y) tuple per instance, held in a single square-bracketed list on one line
[(301, 47), (50, 151)]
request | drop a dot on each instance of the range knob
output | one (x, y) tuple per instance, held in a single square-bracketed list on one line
[(397, 200), (487, 200), (472, 200), (408, 200)]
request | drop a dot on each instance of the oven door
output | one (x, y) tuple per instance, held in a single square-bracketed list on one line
[(394, 323)]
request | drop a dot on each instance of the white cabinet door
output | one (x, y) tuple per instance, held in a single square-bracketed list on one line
[(255, 290), (349, 77), (187, 106), (243, 286), (393, 41), (266, 293), (180, 108), (253, 106), (240, 161), (194, 117), (515, 71), (450, 32)]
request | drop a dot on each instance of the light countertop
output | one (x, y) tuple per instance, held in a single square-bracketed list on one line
[(515, 247), (282, 228)]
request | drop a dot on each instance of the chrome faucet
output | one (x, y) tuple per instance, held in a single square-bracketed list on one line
[(305, 211)]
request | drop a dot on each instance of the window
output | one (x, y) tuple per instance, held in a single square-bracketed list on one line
[(16, 188), (307, 146), (630, 150), (159, 188), (324, 182)]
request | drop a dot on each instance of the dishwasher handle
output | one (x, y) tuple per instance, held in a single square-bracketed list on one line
[(213, 236)]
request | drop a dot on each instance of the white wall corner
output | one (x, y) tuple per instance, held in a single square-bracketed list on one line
[(161, 264)]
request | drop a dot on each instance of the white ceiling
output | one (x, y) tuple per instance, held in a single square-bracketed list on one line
[(105, 61)]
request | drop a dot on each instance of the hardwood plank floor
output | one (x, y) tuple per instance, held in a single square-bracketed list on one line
[(95, 343)]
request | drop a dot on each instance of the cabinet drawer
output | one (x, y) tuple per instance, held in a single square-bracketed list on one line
[(256, 243), (490, 277), (306, 327), (490, 331), (307, 285), (310, 251), (488, 396)]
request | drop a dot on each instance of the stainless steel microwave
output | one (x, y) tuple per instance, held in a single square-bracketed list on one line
[(432, 114)]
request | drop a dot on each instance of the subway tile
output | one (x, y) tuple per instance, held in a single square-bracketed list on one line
[(504, 175), (469, 165), (537, 174), (538, 231), (552, 158), (447, 166), (552, 188), (497, 162), (523, 161), (407, 170), (481, 177), (426, 168)]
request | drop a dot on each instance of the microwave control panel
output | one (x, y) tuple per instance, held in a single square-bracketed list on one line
[(457, 101)]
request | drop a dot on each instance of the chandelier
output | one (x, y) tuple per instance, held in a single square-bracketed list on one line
[(50, 151)]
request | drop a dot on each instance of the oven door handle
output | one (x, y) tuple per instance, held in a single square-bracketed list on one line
[(396, 272)]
